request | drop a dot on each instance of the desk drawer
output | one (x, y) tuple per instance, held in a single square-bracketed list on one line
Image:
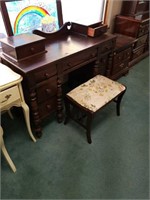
[(47, 89), (45, 73), (80, 59), (107, 46), (9, 96), (121, 56), (47, 107)]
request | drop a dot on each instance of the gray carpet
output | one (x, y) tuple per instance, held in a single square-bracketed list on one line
[(62, 165)]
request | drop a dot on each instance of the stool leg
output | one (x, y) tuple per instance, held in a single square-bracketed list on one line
[(88, 132), (27, 119), (10, 162), (119, 102)]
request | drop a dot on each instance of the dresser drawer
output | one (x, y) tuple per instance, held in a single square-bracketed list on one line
[(47, 107), (80, 59), (143, 29), (45, 73), (138, 52), (9, 96), (47, 89), (119, 57), (119, 67), (141, 41)]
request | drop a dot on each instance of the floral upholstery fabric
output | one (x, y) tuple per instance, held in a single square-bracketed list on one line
[(96, 92)]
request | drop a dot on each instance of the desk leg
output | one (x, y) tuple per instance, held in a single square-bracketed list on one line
[(96, 69), (59, 101), (109, 68), (35, 114)]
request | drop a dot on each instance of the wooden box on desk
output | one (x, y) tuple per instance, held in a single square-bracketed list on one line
[(91, 30), (97, 29), (22, 46)]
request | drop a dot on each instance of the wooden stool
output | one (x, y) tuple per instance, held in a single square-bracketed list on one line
[(87, 99)]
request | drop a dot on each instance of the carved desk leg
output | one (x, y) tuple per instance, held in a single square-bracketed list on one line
[(35, 114), (96, 69), (59, 101), (109, 68)]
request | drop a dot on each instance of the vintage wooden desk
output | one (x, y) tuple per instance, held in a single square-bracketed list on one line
[(43, 74)]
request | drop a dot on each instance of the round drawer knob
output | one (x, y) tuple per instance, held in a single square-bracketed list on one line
[(69, 64), (48, 107), (47, 75), (32, 49), (48, 91)]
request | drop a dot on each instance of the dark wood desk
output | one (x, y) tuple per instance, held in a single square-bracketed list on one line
[(44, 74)]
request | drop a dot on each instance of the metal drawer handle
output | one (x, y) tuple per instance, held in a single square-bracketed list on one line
[(6, 98)]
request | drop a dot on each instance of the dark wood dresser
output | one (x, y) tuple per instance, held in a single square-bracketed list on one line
[(134, 22), (44, 74), (121, 55)]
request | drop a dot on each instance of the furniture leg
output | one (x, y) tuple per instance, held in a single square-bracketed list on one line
[(118, 102), (35, 113), (59, 101), (4, 151), (10, 162), (27, 120), (10, 114), (88, 132)]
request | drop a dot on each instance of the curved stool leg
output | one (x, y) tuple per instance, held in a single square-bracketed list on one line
[(10, 114), (4, 150), (27, 119)]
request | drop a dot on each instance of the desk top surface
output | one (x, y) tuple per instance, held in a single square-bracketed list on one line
[(58, 50)]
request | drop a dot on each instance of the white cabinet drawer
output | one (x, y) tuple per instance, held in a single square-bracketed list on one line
[(9, 96)]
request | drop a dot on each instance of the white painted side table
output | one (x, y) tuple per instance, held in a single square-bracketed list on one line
[(11, 94)]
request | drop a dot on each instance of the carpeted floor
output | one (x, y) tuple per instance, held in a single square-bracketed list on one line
[(62, 165)]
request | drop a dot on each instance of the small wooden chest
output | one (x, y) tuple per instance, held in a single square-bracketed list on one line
[(23, 46), (92, 30)]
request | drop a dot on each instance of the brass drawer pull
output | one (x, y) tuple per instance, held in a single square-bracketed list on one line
[(6, 98)]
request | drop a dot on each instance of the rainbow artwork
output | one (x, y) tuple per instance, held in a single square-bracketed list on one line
[(28, 10), (28, 15)]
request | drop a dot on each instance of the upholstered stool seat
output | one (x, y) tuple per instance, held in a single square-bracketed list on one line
[(90, 97)]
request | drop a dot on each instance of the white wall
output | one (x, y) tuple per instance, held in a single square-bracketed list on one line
[(114, 9)]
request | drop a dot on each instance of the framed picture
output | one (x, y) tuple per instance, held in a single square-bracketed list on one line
[(22, 16)]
